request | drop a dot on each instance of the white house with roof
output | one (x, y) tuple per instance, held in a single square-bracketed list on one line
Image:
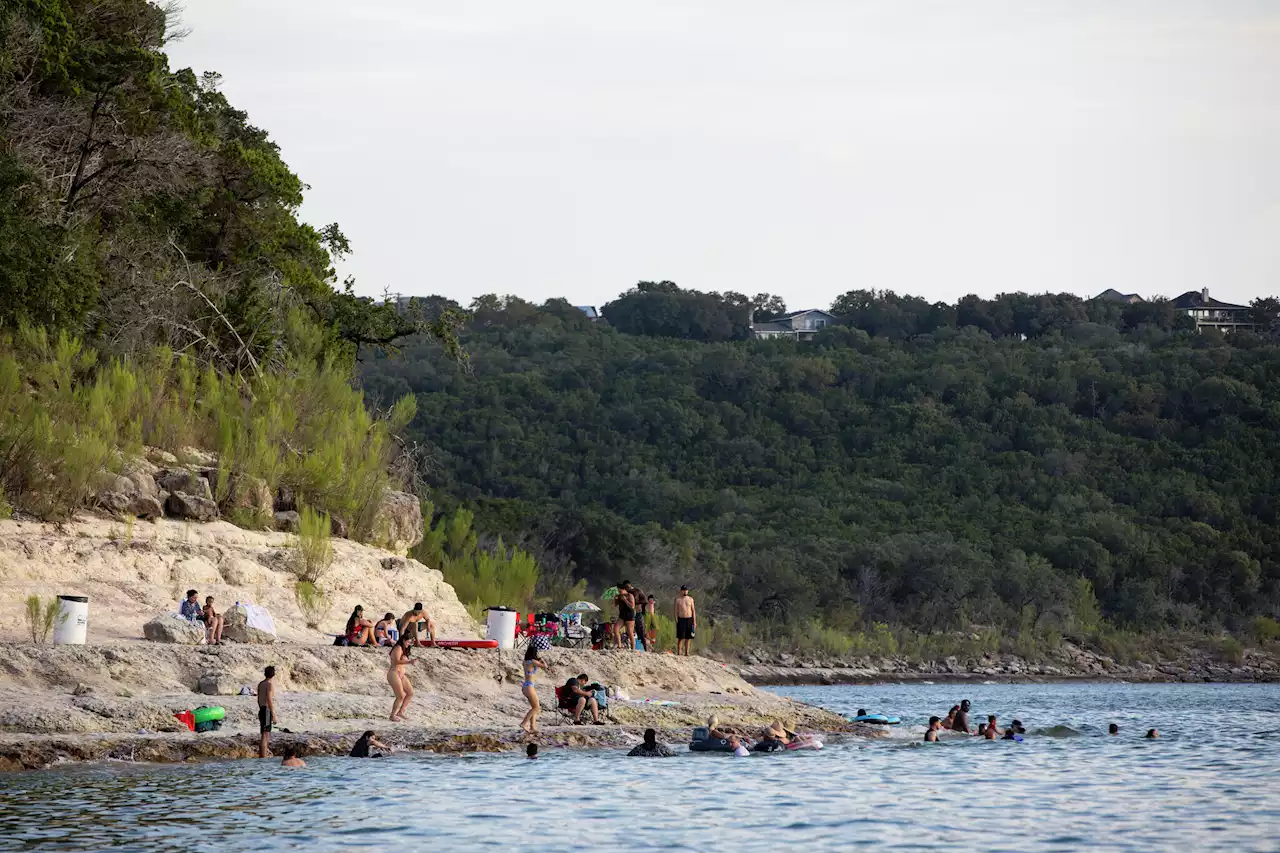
[(798, 325)]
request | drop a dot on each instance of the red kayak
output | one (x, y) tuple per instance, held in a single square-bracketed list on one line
[(461, 644)]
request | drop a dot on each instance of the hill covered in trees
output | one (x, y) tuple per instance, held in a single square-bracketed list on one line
[(1028, 462)]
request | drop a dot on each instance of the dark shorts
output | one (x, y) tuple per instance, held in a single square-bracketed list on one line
[(264, 719), (684, 628)]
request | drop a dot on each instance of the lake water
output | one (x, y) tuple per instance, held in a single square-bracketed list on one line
[(1212, 782)]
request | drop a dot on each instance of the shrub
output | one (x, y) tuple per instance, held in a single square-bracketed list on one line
[(40, 618), (1265, 629), (1230, 649), (312, 601), (313, 554)]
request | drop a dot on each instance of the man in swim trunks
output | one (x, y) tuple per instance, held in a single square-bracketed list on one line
[(961, 721), (931, 733), (686, 621), (415, 618), (266, 709)]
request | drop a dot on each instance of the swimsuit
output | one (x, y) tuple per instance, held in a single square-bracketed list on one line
[(684, 628), (264, 719), (530, 670), (626, 612)]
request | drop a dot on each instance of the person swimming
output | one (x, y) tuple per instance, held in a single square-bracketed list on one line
[(960, 722), (931, 733), (1152, 734), (1113, 729), (739, 749), (991, 725), (531, 751), (368, 745), (951, 717)]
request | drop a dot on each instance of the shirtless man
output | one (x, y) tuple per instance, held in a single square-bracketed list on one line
[(266, 709), (416, 617), (991, 725), (931, 733), (961, 721), (686, 621)]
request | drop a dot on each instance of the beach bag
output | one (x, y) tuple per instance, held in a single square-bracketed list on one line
[(341, 641)]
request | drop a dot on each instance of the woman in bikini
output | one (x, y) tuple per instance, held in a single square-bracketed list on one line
[(532, 663), (399, 679)]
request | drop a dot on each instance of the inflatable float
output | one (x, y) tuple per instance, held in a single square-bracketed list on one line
[(202, 719), (711, 744), (876, 719), (460, 644), (779, 746)]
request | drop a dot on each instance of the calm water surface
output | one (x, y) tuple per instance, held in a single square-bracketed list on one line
[(1211, 783)]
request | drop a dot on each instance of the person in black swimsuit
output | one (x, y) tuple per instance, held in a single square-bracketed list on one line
[(627, 615)]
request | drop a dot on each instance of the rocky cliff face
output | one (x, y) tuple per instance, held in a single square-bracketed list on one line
[(132, 572)]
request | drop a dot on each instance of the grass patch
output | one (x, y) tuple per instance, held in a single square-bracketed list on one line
[(312, 601), (40, 618), (313, 550)]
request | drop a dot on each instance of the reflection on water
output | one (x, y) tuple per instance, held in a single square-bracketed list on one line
[(1211, 783)]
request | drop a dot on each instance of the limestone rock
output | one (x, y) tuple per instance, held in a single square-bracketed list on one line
[(172, 628), (236, 629), (337, 527), (250, 494), (142, 474), (398, 521), (288, 521), (185, 481), (196, 456), (161, 457), (216, 684), (394, 564), (192, 507)]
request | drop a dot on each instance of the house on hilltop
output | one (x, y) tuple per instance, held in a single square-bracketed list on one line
[(590, 311), (1113, 295), (1210, 313), (798, 325)]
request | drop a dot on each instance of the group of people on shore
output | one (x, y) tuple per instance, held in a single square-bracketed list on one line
[(635, 624), (957, 720), (362, 631), (191, 610)]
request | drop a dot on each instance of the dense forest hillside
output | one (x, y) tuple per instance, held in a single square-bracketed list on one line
[(1028, 460), (157, 286)]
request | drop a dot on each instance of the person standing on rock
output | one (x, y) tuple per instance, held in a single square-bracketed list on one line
[(686, 621), (398, 678), (639, 597), (266, 709), (532, 663)]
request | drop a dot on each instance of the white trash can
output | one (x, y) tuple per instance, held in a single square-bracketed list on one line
[(502, 626), (72, 625)]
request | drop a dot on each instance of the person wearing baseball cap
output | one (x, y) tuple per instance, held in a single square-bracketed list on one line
[(686, 620)]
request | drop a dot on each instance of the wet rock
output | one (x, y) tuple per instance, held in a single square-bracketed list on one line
[(397, 522), (192, 507), (172, 628), (288, 521)]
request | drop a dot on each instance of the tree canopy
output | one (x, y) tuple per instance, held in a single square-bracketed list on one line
[(927, 465)]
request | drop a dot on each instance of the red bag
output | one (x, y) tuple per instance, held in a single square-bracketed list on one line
[(187, 718)]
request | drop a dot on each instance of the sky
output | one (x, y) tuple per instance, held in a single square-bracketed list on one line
[(807, 148)]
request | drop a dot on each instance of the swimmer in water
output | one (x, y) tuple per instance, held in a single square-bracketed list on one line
[(1152, 734), (991, 725), (960, 723), (739, 750), (931, 733), (951, 717), (531, 751), (1113, 729), (293, 757)]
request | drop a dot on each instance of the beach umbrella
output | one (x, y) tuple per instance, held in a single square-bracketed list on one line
[(611, 592), (580, 607)]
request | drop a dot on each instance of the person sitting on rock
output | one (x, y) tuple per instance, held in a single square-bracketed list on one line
[(359, 629), (385, 629), (191, 610), (650, 748), (213, 622)]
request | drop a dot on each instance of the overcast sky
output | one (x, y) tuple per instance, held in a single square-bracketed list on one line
[(546, 148)]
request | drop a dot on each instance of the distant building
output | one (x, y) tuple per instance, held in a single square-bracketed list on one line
[(1210, 313), (800, 325), (1113, 295), (590, 311)]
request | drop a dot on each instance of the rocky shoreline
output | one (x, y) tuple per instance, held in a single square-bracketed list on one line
[(1070, 663)]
